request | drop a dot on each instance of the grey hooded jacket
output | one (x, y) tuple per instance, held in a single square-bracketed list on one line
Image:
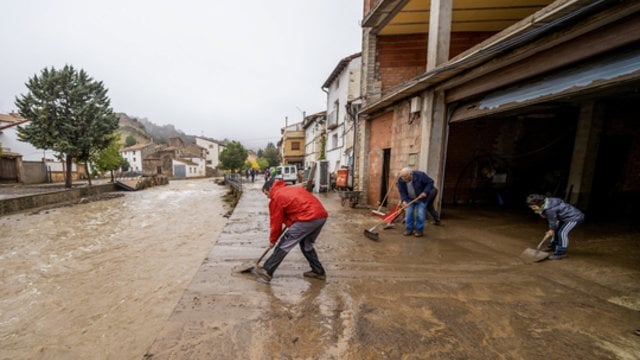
[(555, 210)]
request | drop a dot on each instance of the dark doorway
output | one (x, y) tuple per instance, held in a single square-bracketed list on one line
[(609, 201), (384, 182)]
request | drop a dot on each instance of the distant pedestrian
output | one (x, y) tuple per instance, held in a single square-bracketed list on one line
[(415, 184), (304, 216), (253, 175), (267, 174), (561, 216)]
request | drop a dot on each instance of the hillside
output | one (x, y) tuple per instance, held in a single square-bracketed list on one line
[(144, 131)]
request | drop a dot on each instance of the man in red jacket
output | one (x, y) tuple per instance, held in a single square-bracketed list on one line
[(304, 216)]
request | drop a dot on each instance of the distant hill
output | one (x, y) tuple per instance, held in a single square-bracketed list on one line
[(144, 131)]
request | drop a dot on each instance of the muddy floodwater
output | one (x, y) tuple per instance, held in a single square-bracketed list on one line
[(151, 276), (98, 280)]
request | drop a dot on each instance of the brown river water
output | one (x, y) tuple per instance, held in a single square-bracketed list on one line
[(98, 280)]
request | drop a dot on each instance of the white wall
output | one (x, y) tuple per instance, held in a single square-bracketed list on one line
[(134, 158), (213, 150), (312, 146), (343, 89)]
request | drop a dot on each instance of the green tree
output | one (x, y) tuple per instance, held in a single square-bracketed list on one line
[(109, 159), (272, 155), (125, 165), (323, 147), (70, 113), (263, 163), (233, 156), (130, 141)]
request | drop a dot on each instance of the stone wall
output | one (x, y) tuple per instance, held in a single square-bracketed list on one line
[(17, 204)]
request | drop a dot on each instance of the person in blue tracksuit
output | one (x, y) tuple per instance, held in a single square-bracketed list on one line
[(562, 218), (414, 184)]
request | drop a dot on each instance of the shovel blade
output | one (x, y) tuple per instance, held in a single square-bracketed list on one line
[(371, 235), (530, 255), (244, 268)]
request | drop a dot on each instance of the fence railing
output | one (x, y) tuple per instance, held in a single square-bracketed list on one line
[(235, 181)]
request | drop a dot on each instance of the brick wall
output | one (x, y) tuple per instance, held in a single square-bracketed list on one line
[(402, 57), (380, 139), (406, 141), (462, 41)]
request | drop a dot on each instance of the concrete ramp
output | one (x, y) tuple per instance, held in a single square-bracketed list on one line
[(129, 184)]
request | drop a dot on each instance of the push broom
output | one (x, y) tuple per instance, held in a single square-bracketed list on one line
[(373, 235)]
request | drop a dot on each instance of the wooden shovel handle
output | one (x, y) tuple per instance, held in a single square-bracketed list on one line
[(284, 231), (545, 238)]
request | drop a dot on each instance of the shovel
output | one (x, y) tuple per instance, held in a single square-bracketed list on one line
[(530, 255), (244, 268), (373, 235)]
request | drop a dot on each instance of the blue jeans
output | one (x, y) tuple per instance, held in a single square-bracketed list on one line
[(416, 211)]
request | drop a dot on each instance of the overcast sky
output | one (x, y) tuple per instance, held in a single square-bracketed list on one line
[(219, 68)]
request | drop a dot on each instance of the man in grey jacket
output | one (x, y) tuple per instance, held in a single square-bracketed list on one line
[(562, 218)]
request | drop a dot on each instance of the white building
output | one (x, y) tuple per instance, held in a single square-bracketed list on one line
[(314, 131), (134, 154), (343, 89), (214, 148), (189, 168)]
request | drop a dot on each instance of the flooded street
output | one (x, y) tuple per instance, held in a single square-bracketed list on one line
[(459, 292), (98, 280), (151, 276)]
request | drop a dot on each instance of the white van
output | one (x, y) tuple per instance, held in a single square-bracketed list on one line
[(288, 173)]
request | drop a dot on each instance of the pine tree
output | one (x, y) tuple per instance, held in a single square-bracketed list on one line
[(70, 113)]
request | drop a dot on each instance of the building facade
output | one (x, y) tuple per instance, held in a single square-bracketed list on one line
[(292, 145), (213, 148), (314, 137), (495, 109), (342, 88)]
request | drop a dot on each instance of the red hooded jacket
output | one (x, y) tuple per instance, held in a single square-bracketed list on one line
[(291, 204)]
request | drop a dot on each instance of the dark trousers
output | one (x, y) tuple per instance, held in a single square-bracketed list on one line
[(430, 208), (303, 233)]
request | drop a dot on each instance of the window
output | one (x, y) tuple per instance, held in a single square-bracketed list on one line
[(334, 141), (334, 116), (295, 145)]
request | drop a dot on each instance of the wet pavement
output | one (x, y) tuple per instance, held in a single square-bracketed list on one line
[(459, 292)]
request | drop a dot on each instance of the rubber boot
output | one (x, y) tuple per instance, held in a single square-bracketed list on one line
[(313, 260), (274, 261)]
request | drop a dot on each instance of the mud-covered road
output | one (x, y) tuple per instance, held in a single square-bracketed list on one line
[(460, 292), (98, 280), (149, 275)]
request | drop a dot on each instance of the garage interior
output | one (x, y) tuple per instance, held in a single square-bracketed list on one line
[(496, 160)]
